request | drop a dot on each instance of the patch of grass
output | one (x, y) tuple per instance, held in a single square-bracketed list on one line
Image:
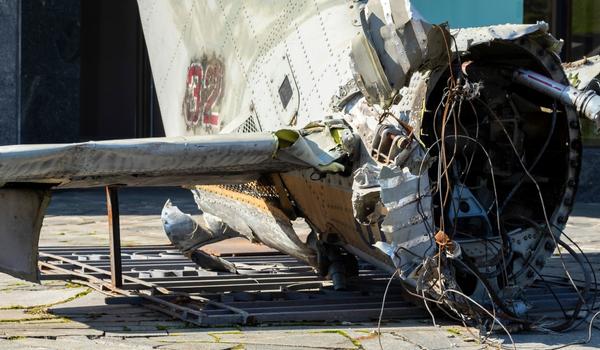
[(238, 347), (37, 310), (454, 331), (43, 309), (76, 296), (62, 233), (15, 337), (13, 307), (217, 335), (73, 285)]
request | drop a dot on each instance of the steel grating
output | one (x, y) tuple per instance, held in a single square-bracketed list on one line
[(270, 288)]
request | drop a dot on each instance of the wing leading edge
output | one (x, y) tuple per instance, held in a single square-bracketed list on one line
[(144, 162)]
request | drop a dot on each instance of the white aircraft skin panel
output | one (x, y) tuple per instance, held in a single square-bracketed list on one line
[(316, 74), (147, 10), (237, 58), (263, 39), (166, 53), (245, 40)]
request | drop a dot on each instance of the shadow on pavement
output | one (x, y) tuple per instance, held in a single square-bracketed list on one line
[(132, 201)]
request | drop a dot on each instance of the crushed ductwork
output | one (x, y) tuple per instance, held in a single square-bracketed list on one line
[(395, 42), (319, 144), (582, 72), (453, 126), (188, 234), (394, 195)]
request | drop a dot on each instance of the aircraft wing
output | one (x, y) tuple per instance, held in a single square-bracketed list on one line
[(227, 158), (29, 172)]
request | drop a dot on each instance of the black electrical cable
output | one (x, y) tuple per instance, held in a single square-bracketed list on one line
[(595, 294), (569, 322), (547, 285)]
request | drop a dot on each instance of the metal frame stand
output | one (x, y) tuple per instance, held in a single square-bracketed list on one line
[(114, 234)]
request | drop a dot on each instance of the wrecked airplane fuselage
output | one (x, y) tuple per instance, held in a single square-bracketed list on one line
[(465, 171), (449, 158)]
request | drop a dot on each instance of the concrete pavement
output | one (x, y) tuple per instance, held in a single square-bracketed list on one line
[(62, 315)]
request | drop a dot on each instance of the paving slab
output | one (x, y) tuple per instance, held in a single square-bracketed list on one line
[(73, 343), (326, 338), (31, 298), (198, 335), (202, 346), (35, 332), (16, 315), (136, 334)]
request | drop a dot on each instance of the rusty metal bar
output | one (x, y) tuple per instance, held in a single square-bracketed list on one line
[(114, 233), (153, 287), (88, 267), (172, 309)]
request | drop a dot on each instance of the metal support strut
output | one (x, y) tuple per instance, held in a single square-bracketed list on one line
[(114, 232)]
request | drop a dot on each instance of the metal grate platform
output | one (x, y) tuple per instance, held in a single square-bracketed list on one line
[(270, 288)]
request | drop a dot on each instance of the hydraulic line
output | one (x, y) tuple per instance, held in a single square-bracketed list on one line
[(586, 103)]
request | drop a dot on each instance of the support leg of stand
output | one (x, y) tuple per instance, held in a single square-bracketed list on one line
[(114, 231)]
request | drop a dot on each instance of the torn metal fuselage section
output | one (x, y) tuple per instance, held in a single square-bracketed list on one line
[(474, 152), (441, 162), (254, 210)]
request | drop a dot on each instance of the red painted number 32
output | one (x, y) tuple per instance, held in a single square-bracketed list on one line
[(204, 87)]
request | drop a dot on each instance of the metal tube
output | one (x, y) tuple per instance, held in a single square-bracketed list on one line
[(586, 103)]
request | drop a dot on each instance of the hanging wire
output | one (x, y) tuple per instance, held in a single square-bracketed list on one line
[(387, 287)]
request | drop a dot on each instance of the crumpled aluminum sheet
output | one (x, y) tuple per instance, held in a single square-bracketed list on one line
[(395, 42), (583, 71), (405, 225), (468, 37)]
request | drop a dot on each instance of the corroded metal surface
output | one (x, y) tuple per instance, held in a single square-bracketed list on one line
[(20, 223)]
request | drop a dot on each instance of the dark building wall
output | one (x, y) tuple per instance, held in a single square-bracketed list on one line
[(50, 65), (9, 71), (116, 90), (74, 70), (109, 48)]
